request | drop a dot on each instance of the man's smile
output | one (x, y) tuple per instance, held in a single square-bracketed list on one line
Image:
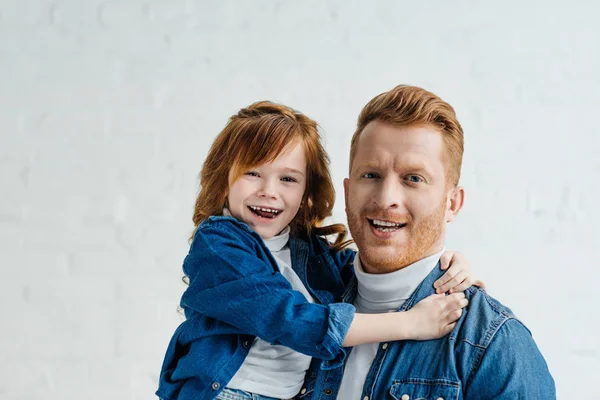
[(386, 226)]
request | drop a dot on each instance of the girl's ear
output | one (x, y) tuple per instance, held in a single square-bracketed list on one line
[(304, 199), (226, 200)]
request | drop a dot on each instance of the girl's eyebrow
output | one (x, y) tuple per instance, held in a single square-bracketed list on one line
[(295, 171)]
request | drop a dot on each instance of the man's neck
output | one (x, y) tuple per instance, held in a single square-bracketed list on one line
[(402, 264), (387, 292)]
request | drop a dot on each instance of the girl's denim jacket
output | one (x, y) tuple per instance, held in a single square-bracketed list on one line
[(236, 293)]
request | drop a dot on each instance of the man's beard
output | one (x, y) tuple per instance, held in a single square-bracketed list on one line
[(422, 239)]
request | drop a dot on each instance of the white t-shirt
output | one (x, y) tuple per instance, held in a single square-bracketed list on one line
[(274, 370), (379, 293)]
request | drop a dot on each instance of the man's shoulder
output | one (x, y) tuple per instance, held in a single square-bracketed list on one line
[(484, 317), (497, 353)]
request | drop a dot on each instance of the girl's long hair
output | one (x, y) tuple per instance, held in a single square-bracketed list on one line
[(256, 135)]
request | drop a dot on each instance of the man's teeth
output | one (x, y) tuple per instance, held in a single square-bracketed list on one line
[(385, 223), (385, 226)]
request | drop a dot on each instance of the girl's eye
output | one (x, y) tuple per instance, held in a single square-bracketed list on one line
[(414, 178), (370, 175), (252, 173), (289, 179)]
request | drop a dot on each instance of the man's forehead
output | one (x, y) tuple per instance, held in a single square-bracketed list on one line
[(382, 142), (383, 132)]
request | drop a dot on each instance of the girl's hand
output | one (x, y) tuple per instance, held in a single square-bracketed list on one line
[(435, 316), (458, 277)]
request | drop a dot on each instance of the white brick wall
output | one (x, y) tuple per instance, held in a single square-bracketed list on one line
[(107, 108)]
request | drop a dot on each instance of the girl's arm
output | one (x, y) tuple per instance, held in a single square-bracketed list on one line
[(232, 282), (431, 318), (458, 277)]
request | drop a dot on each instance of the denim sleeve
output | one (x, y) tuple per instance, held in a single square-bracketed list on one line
[(511, 367), (231, 283)]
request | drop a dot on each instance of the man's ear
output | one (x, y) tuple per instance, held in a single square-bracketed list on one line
[(346, 183), (454, 202)]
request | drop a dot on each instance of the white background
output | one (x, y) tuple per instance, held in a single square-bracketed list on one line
[(108, 107)]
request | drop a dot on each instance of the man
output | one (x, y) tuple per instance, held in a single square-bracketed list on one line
[(405, 162)]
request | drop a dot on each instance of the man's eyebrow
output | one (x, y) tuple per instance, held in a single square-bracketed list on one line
[(375, 164), (367, 165), (417, 167)]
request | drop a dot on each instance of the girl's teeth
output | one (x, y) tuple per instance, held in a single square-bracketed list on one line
[(265, 209)]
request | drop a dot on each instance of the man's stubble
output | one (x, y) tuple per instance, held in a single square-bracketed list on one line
[(422, 239)]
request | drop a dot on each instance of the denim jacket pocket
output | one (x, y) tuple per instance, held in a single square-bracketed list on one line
[(425, 389)]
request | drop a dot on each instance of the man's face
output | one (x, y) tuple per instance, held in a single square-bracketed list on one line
[(397, 197)]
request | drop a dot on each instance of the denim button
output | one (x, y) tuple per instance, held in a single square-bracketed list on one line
[(328, 391), (385, 346), (440, 398), (246, 344), (215, 385), (405, 397), (303, 391), (366, 398)]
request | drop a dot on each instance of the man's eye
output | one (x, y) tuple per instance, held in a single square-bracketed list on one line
[(370, 175), (414, 178), (289, 179)]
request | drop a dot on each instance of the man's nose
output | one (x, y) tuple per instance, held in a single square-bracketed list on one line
[(389, 194)]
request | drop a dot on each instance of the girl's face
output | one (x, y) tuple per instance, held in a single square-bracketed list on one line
[(268, 197)]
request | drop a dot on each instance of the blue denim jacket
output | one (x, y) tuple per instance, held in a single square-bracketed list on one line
[(236, 293), (488, 355)]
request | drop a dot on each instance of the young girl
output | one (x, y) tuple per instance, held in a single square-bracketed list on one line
[(262, 277)]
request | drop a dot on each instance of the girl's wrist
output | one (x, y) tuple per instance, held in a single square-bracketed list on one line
[(403, 324)]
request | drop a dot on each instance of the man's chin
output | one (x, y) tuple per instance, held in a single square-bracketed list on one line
[(394, 243), (382, 260)]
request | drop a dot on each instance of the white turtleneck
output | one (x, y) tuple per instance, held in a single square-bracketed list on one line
[(379, 293), (274, 370)]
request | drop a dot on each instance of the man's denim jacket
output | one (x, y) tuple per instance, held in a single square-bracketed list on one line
[(236, 293), (488, 355)]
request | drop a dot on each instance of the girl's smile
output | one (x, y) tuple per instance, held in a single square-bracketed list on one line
[(268, 196)]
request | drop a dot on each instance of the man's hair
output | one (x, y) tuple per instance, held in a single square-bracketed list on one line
[(256, 135), (412, 106)]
